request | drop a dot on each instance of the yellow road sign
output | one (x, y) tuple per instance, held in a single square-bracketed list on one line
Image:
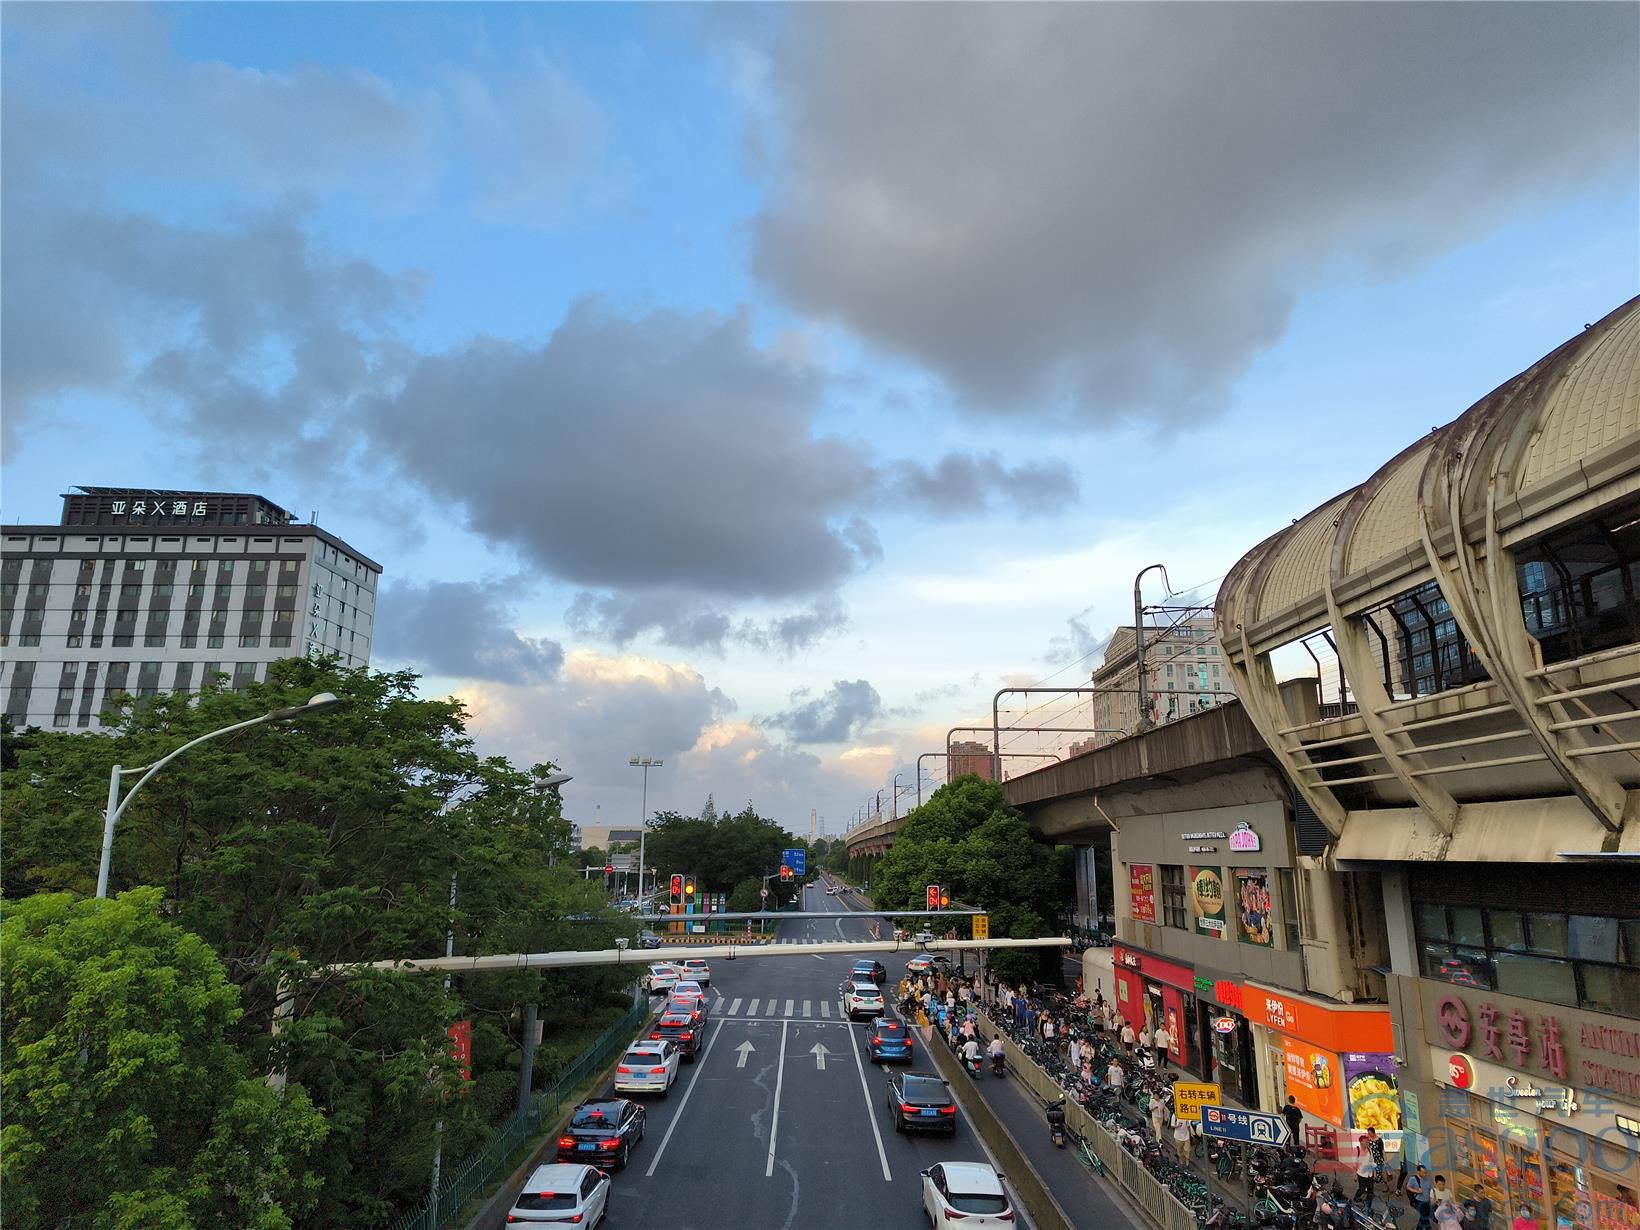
[(1188, 1100), (982, 926)]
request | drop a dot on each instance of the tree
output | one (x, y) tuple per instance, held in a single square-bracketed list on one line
[(745, 897), (127, 1103)]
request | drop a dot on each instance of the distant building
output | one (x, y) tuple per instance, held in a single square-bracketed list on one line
[(143, 591), (1186, 675), (574, 836), (602, 836), (970, 757)]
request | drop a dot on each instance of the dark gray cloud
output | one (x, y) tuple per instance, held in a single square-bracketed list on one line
[(834, 717), (962, 483), (686, 621), (462, 629), (1107, 210)]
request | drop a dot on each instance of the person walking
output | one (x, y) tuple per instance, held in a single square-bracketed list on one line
[(1127, 1036), (1076, 1054), (1158, 1118), (1115, 1076), (1366, 1170), (1524, 1220), (1417, 1190), (1144, 1039), (1161, 1040), (1182, 1130), (1448, 1216), (1440, 1193), (1295, 1122)]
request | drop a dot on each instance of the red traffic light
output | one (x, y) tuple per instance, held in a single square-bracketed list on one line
[(785, 872), (677, 886), (933, 896)]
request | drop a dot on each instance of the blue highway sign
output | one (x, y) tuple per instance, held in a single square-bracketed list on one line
[(1227, 1123), (797, 860)]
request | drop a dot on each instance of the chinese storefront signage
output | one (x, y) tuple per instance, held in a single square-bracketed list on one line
[(1243, 840), (1557, 1043), (158, 508), (1207, 901), (1142, 892), (1188, 1099), (1253, 906)]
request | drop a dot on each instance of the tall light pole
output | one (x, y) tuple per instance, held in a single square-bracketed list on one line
[(645, 763), (116, 805), (1139, 641)]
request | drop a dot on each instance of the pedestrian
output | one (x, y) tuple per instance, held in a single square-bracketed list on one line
[(1099, 996), (1144, 1038), (1524, 1220), (1076, 1054), (1115, 1075), (1366, 1170), (1087, 1071), (1448, 1216), (1181, 1136), (1127, 1036), (1158, 1118), (1295, 1121), (1418, 1193), (1047, 1028), (1440, 1193), (1160, 1040)]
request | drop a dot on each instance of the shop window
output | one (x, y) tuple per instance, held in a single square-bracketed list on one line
[(1594, 939), (1466, 926), (1173, 908), (1432, 922), (1547, 933), (1630, 930), (1535, 977)]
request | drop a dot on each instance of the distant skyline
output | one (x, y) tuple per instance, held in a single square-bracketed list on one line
[(761, 388)]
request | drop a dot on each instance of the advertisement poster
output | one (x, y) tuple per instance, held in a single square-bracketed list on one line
[(1253, 905), (1207, 901), (1370, 1091), (1313, 1080), (1142, 891)]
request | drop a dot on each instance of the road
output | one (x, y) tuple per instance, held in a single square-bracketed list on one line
[(763, 1132)]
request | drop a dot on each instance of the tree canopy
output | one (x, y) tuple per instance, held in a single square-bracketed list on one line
[(723, 851)]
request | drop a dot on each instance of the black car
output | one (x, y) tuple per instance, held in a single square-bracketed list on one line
[(868, 969), (921, 1102), (602, 1131), (681, 1031)]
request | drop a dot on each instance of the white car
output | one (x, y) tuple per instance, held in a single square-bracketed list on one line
[(966, 1192), (647, 1067), (687, 988), (565, 1193), (660, 978), (862, 997), (696, 969)]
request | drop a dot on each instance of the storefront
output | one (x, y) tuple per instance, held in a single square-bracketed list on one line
[(1335, 1060), (1539, 1107), (1151, 990)]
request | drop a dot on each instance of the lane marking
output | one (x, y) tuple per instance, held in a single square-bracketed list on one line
[(734, 1008), (752, 1010), (779, 1080), (687, 1094), (806, 1011), (871, 1113), (743, 1050), (788, 1011), (825, 1008)]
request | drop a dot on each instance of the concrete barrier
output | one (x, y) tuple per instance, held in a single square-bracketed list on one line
[(1033, 1192)]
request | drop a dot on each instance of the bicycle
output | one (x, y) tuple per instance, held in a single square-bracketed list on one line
[(1086, 1155)]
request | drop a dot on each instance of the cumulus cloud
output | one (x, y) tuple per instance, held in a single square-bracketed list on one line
[(688, 621), (836, 716), (461, 629), (961, 483), (1106, 211)]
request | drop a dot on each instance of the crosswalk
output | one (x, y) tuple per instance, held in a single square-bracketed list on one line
[(777, 1009)]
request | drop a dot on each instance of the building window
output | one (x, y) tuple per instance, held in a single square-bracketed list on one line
[(213, 642), (189, 640), (122, 639), (249, 640), (1287, 884), (73, 642), (1573, 959), (154, 640), (1173, 908)]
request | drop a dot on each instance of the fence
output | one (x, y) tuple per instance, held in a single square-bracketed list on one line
[(1160, 1206), (459, 1183)]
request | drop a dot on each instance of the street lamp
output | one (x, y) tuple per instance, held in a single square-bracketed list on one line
[(116, 805), (645, 763)]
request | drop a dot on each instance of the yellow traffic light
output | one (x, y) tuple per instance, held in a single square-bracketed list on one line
[(688, 888)]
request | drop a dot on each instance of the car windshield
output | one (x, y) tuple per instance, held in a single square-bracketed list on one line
[(889, 1027), (547, 1200), (595, 1117), (965, 1202), (926, 1089)]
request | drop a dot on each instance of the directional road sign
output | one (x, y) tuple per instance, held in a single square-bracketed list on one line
[(821, 1054), (797, 860), (1188, 1099), (1227, 1123)]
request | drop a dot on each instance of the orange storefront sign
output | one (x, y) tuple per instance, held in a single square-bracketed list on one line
[(1313, 1077), (1332, 1029)]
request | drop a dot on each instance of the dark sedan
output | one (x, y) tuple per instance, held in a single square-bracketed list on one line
[(680, 1030), (921, 1102), (602, 1132), (864, 969)]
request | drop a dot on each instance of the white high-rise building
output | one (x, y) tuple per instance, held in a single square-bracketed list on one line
[(143, 591)]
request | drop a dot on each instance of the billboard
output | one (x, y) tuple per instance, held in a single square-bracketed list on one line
[(1253, 905), (1369, 1084), (1142, 891), (1207, 901), (1312, 1079)]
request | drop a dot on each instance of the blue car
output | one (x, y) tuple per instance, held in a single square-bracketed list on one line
[(889, 1041)]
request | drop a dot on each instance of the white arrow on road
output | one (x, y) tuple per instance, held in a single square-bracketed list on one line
[(819, 1052), (743, 1050)]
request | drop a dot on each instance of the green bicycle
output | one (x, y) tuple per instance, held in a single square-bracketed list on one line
[(1086, 1155)]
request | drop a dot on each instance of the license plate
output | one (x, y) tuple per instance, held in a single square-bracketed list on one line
[(929, 1114), (587, 1148)]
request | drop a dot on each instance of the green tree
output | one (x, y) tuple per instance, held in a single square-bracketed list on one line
[(745, 897), (127, 1103)]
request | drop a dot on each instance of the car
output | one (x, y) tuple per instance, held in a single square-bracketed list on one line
[(929, 963), (689, 989), (605, 1128), (565, 1193), (969, 1192), (681, 1030), (647, 1067), (861, 998), (648, 939), (830, 891), (660, 977), (921, 1102), (867, 968), (696, 969), (889, 1039), (694, 1009)]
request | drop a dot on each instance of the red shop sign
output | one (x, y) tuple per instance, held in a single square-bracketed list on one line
[(1228, 993), (1460, 1071)]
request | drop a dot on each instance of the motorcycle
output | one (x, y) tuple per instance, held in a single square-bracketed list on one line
[(998, 1065), (1056, 1123), (971, 1066)]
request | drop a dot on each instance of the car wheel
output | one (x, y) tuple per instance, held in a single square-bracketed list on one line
[(899, 1123), (626, 1152)]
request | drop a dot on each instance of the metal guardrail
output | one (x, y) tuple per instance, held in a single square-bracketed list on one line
[(476, 1173)]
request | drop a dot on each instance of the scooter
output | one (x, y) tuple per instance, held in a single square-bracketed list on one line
[(1056, 1123), (998, 1065), (971, 1066)]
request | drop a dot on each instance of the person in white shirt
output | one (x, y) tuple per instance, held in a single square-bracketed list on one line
[(1161, 1040), (1076, 1054), (996, 1047), (1127, 1036), (1115, 1076), (970, 1051), (1144, 1038)]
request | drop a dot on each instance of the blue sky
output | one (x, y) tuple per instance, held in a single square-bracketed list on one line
[(761, 388)]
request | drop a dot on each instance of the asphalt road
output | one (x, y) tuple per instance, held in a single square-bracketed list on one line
[(782, 1123)]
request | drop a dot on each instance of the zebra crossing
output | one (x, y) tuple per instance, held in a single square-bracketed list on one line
[(779, 1008)]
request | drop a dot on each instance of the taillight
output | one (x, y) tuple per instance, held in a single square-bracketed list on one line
[(609, 1144), (906, 1108), (657, 1071), (566, 1142), (624, 1070), (654, 1037), (576, 1220), (687, 1034), (953, 1215), (1006, 1216), (948, 1110)]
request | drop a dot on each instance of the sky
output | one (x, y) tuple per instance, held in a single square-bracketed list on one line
[(761, 388)]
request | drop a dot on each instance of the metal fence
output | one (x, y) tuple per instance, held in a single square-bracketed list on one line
[(459, 1183)]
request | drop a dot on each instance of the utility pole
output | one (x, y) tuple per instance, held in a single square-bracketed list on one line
[(1144, 722), (645, 763)]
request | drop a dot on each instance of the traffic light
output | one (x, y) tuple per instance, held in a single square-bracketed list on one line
[(689, 890), (677, 890), (945, 897), (933, 896), (785, 872)]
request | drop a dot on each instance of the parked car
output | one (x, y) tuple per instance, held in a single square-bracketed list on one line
[(647, 1067), (861, 997), (969, 1192), (680, 1030), (889, 1039), (660, 977), (566, 1193), (696, 969), (921, 1102), (607, 1129)]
